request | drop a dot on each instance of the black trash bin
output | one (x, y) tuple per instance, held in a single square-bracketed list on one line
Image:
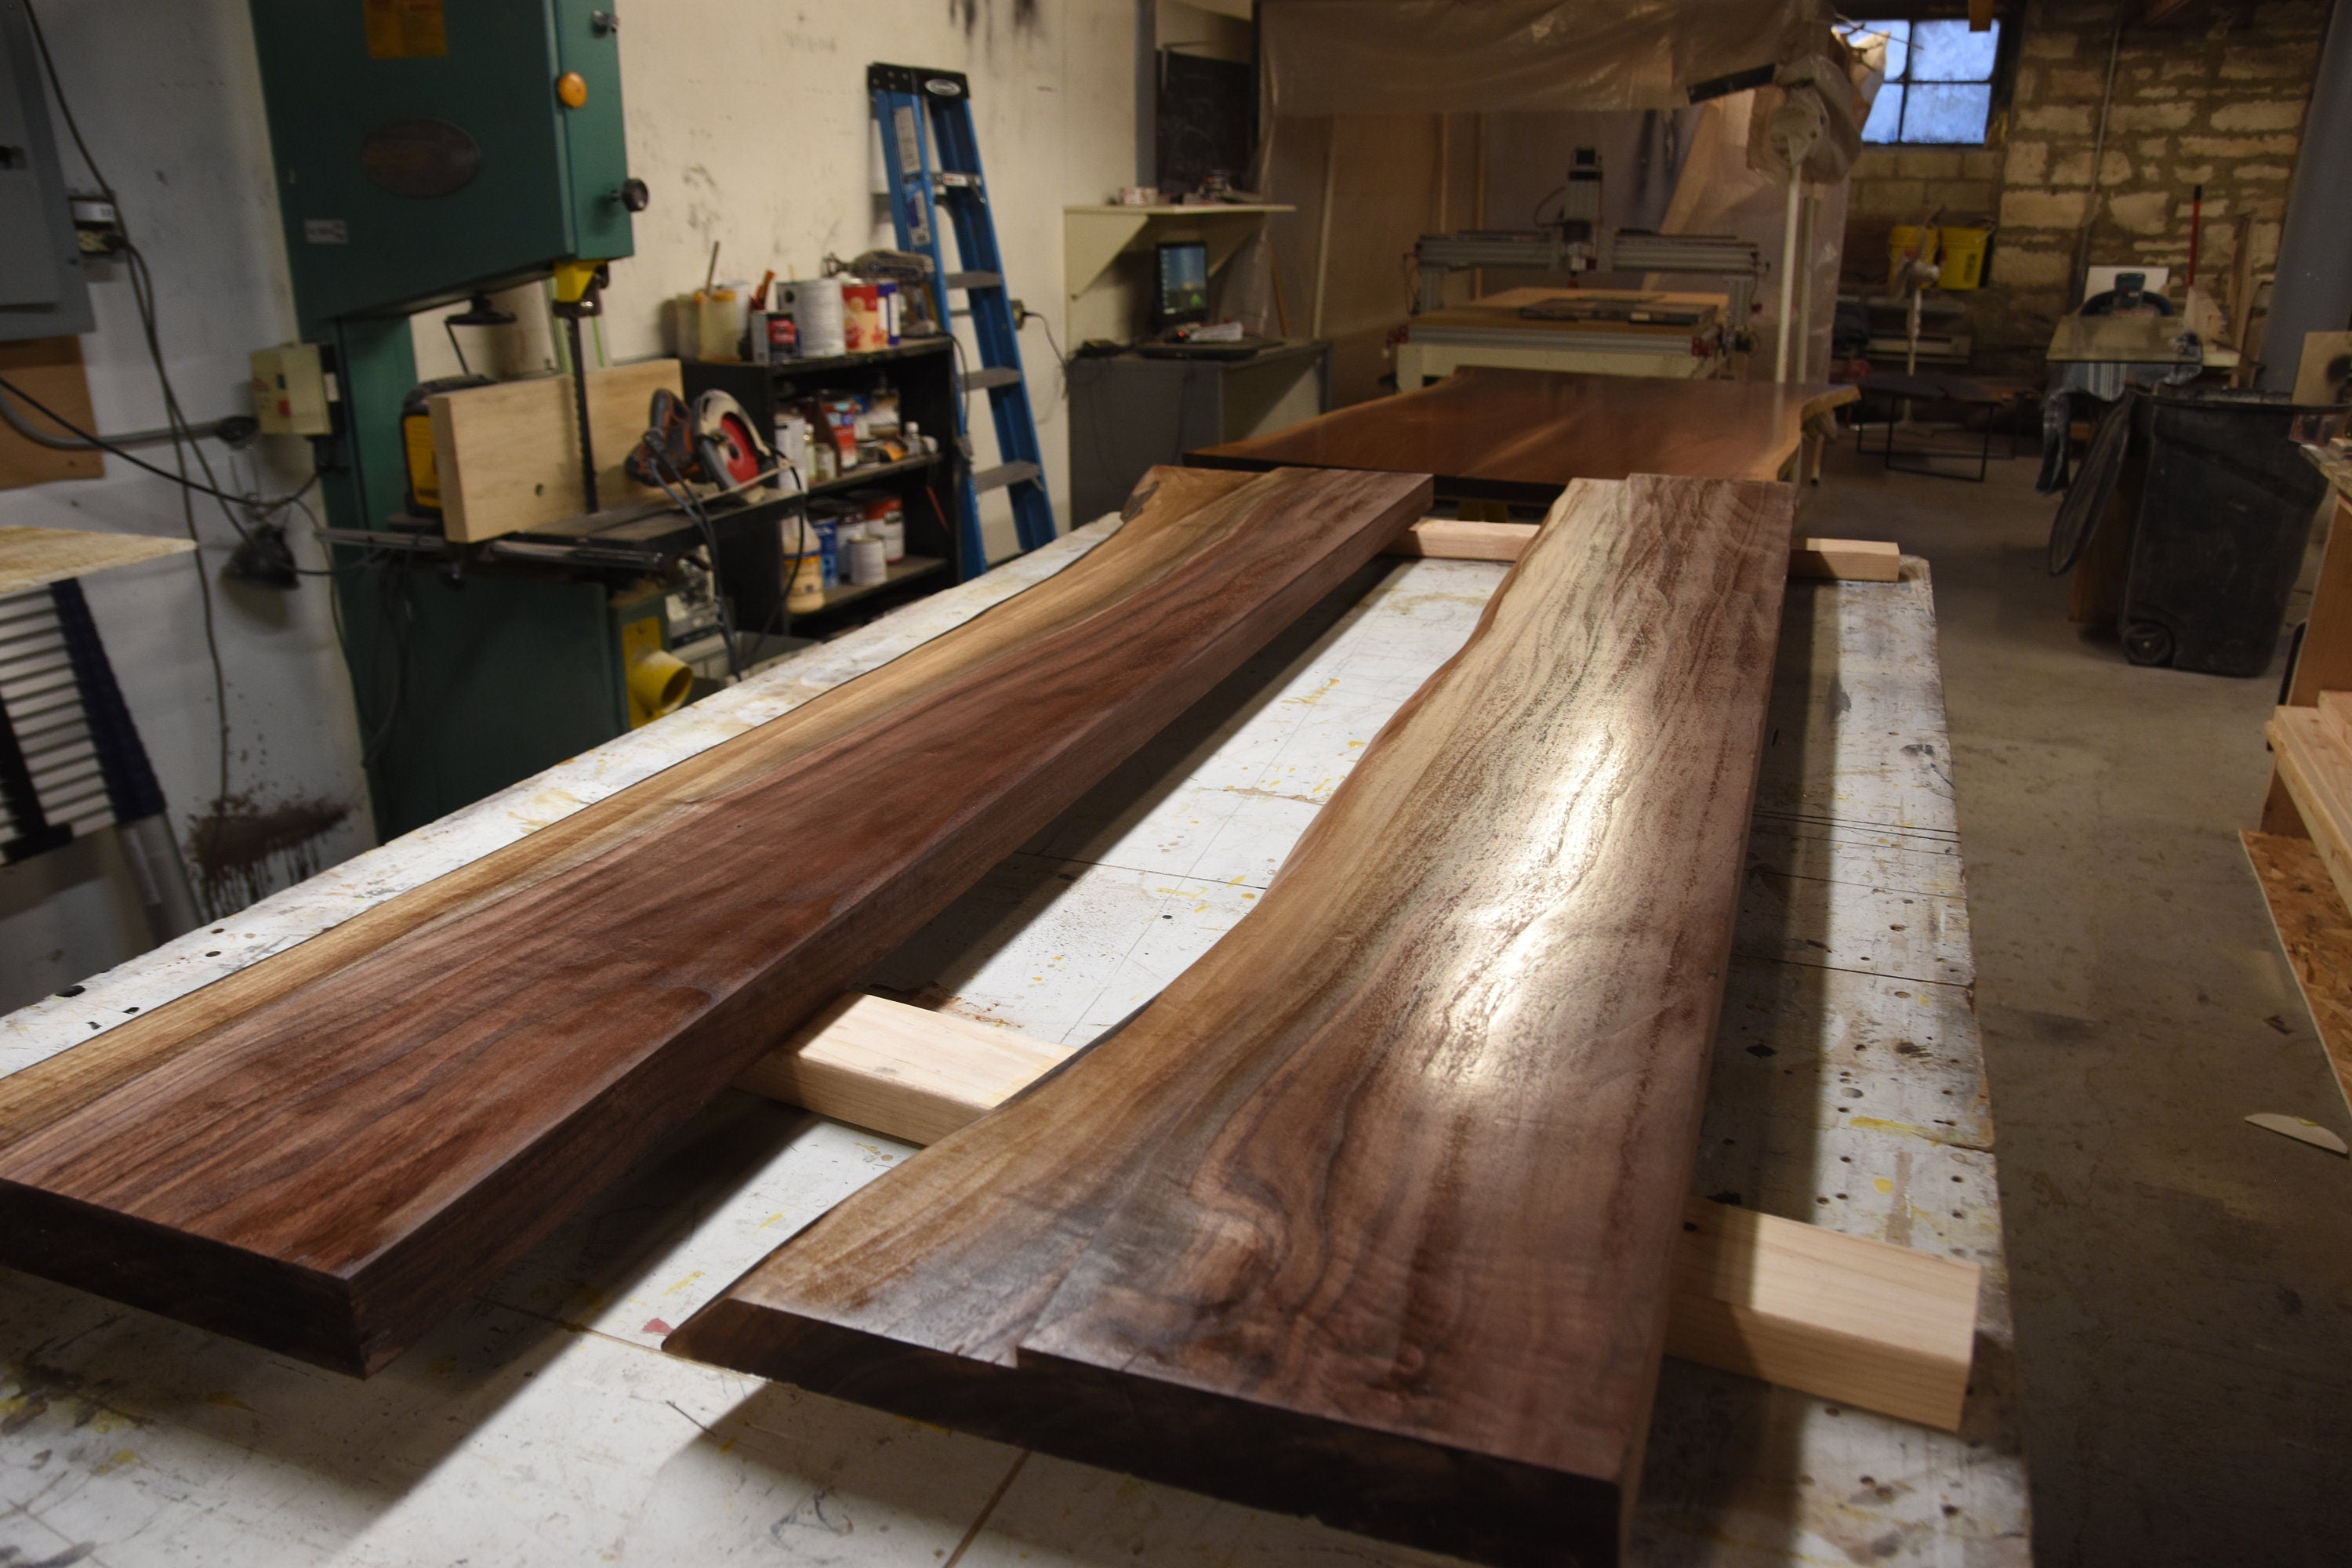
[(2224, 519)]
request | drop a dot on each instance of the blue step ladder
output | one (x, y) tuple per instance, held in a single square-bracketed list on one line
[(933, 158)]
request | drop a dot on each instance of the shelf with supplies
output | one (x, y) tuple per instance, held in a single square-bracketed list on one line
[(922, 374), (912, 567), (873, 473)]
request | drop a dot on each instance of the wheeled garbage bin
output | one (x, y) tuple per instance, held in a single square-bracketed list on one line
[(2223, 519)]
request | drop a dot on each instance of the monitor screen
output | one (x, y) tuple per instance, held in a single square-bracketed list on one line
[(1184, 292)]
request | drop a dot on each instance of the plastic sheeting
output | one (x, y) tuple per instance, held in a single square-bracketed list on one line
[(1409, 117), (1436, 56)]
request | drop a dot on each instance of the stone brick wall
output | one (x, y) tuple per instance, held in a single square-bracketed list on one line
[(2219, 102)]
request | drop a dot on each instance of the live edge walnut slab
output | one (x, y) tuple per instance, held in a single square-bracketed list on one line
[(327, 1152), (1371, 1215)]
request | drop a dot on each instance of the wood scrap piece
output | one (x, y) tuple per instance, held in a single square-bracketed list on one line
[(2314, 931), (326, 1152), (1463, 539), (1860, 1321), (1849, 1318), (506, 457), (2302, 1128), (1373, 1215)]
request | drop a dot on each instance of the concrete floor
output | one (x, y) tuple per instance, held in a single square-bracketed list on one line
[(2183, 1279)]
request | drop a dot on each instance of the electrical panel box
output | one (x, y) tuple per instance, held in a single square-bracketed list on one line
[(43, 290), (291, 391), (431, 149)]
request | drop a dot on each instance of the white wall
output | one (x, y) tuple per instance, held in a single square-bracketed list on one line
[(168, 95), (749, 122), (765, 143)]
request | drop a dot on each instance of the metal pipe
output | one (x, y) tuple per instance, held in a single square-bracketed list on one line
[(17, 423), (1804, 323), (1788, 272), (2099, 149), (2312, 290)]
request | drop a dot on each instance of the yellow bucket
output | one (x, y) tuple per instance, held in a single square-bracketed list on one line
[(1963, 254)]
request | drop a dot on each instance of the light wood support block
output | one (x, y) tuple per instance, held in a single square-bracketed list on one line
[(1461, 539), (1848, 1318), (905, 1071), (1882, 1328)]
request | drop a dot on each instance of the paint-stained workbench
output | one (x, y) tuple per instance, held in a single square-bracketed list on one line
[(542, 1424)]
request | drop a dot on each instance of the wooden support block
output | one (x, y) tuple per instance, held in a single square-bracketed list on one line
[(1458, 539), (1854, 1320), (1878, 1327), (1464, 539), (905, 1071), (508, 456), (1846, 560)]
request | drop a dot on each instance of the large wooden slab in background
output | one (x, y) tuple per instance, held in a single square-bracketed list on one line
[(1371, 1214), (326, 1152), (1521, 434)]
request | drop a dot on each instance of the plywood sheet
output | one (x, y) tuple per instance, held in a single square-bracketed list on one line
[(51, 369), (2316, 932), (30, 557)]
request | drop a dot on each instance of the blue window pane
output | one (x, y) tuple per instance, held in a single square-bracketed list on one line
[(1885, 122), (1898, 45), (1946, 112), (1947, 51)]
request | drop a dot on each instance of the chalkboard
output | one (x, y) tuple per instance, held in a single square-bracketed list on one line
[(1207, 120)]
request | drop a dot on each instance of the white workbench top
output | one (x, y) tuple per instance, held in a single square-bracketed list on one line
[(543, 1425)]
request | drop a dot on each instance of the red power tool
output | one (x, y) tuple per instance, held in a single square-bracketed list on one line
[(714, 442)]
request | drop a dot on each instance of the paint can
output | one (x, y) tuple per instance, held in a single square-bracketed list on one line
[(861, 313), (885, 517), (868, 562), (804, 571), (817, 320)]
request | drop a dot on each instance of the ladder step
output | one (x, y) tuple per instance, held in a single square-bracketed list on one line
[(1005, 474), (995, 375), (975, 280)]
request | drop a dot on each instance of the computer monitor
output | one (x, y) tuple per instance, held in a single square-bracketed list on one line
[(1181, 294)]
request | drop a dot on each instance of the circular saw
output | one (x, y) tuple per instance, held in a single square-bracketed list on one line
[(712, 442)]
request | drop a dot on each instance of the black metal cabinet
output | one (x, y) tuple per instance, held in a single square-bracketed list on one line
[(1129, 411), (923, 375)]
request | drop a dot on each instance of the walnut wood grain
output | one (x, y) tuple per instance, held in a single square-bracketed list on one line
[(1856, 1322), (1522, 435), (327, 1152), (1370, 1216)]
